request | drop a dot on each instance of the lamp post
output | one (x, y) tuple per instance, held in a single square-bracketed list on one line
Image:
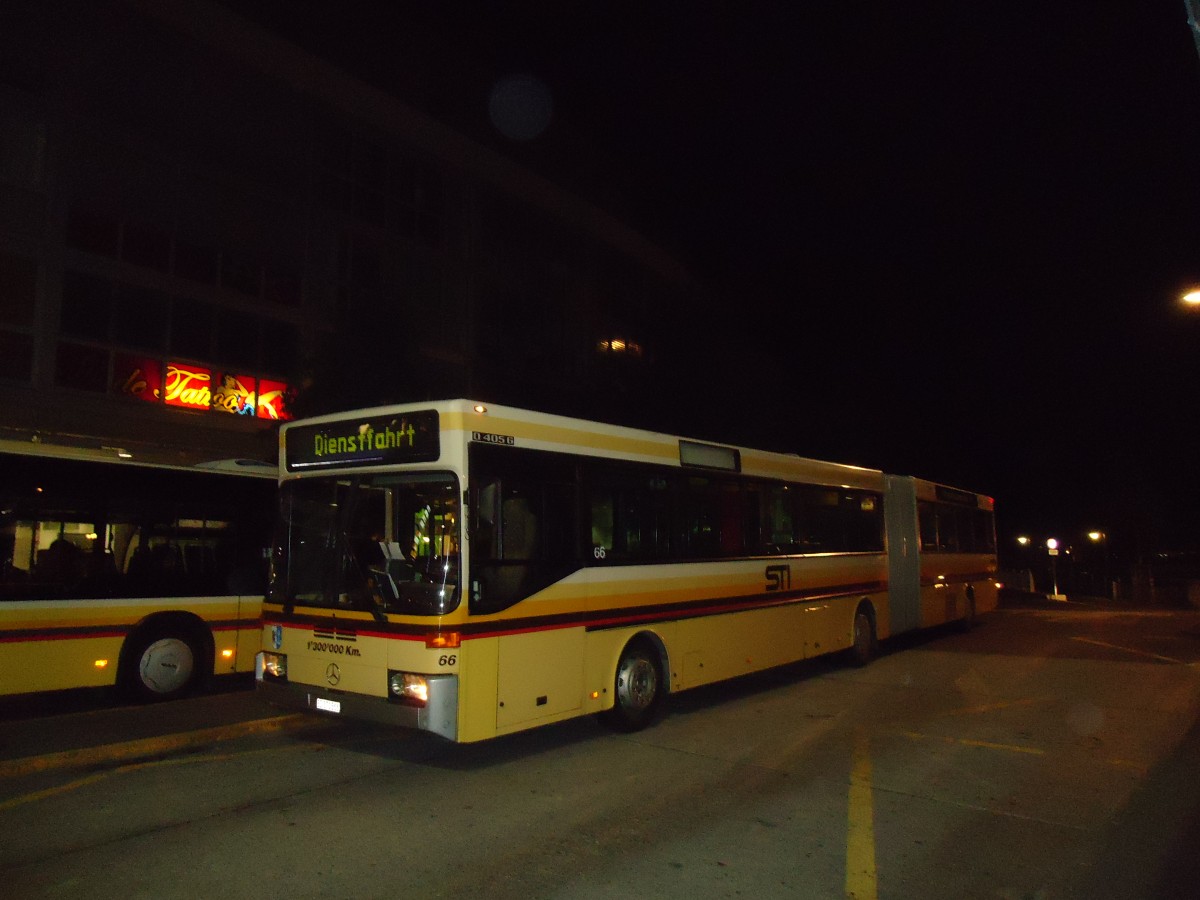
[(1099, 537), (1024, 541), (1052, 550)]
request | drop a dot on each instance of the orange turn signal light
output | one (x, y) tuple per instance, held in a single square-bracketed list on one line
[(443, 640)]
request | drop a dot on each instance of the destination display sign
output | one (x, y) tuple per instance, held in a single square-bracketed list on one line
[(370, 441), (953, 495)]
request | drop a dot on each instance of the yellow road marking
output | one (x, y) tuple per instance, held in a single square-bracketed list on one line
[(987, 745), (13, 802), (1139, 768), (861, 881), (109, 753), (1169, 659), (34, 796), (991, 707)]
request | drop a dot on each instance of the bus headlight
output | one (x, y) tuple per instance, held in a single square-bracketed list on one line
[(274, 666), (407, 688)]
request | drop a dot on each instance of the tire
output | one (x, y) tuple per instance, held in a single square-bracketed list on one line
[(862, 646), (638, 688), (969, 619), (161, 665)]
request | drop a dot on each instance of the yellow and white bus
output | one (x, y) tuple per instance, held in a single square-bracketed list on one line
[(116, 573), (474, 571)]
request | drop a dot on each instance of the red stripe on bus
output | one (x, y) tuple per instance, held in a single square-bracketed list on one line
[(79, 632), (592, 619)]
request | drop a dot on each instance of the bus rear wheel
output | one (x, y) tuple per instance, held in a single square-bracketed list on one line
[(161, 666), (862, 646), (969, 619), (638, 688)]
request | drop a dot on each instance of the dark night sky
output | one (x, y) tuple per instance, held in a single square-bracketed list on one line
[(946, 237)]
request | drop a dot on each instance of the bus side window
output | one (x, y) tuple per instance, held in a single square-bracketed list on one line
[(508, 545), (928, 525), (947, 528), (519, 531), (487, 517), (602, 523)]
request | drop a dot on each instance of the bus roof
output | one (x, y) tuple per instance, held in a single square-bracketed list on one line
[(495, 423)]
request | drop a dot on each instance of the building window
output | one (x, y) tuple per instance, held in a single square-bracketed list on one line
[(619, 346), (377, 185), (146, 246), (279, 347), (93, 231), (86, 306), (81, 367), (238, 340), (22, 152), (151, 247), (241, 273), (18, 287), (192, 328), (282, 288), (195, 262), (16, 356), (140, 319)]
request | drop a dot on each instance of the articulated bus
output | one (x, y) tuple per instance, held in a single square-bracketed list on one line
[(474, 571), (149, 578)]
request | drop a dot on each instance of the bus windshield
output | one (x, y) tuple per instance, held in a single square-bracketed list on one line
[(385, 543)]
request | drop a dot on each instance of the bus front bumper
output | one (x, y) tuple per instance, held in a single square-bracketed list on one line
[(439, 715)]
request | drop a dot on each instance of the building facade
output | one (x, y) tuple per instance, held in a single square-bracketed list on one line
[(205, 230)]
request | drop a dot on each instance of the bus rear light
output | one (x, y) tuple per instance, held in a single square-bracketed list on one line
[(443, 640), (409, 689)]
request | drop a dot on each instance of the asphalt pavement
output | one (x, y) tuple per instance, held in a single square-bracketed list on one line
[(80, 729)]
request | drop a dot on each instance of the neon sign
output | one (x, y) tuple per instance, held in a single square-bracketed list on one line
[(138, 378), (273, 398), (188, 386), (235, 394)]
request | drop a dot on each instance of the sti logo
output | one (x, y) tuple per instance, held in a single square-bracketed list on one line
[(779, 578)]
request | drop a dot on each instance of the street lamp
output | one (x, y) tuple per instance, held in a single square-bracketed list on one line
[(1099, 537), (1023, 541), (1191, 298), (1052, 550)]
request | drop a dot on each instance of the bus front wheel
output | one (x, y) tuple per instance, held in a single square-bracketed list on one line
[(638, 688)]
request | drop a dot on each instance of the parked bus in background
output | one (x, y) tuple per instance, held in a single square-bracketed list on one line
[(474, 571), (116, 573)]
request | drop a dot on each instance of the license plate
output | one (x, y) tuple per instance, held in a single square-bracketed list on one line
[(332, 706)]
